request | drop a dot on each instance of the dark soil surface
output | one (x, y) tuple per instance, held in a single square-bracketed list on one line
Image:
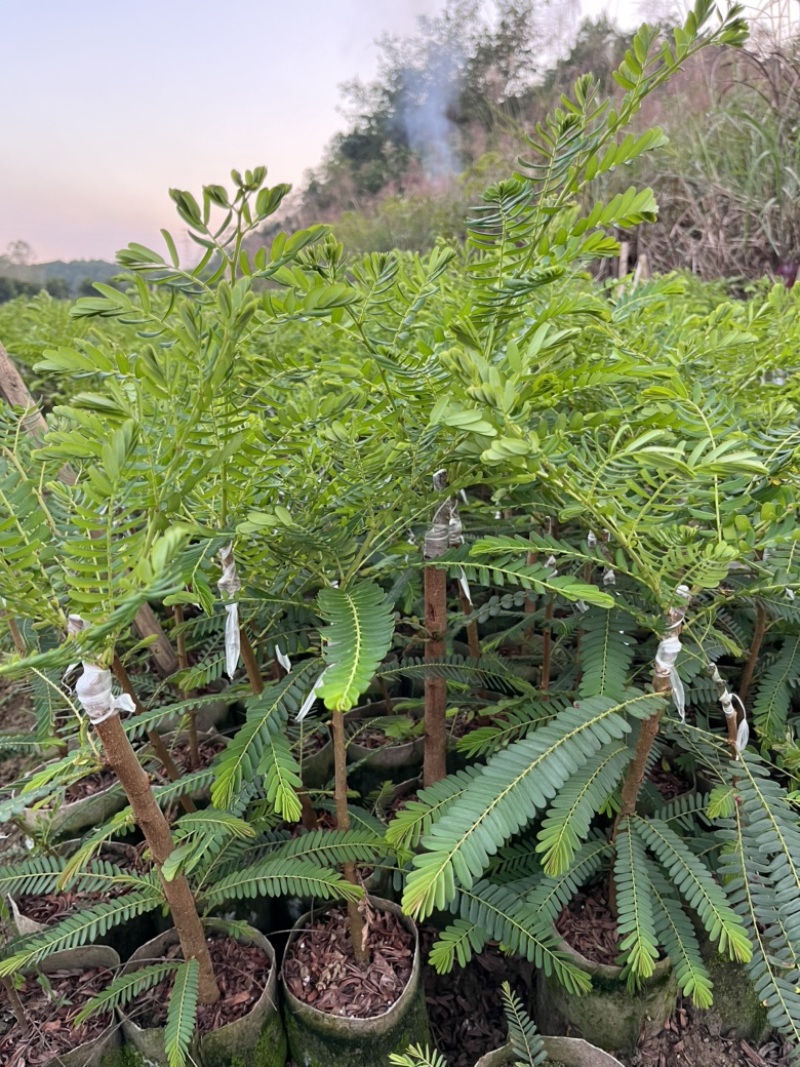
[(207, 750), (51, 1017), (52, 907), (321, 970), (588, 926), (241, 972), (88, 786), (467, 1021), (688, 1041), (465, 1008), (669, 783), (16, 716)]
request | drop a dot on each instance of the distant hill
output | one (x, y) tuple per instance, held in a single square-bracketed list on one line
[(64, 280), (77, 271)]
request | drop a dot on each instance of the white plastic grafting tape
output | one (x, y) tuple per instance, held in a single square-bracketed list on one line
[(743, 732), (229, 585), (93, 690), (455, 531), (462, 581), (591, 539), (666, 656), (438, 535), (551, 563), (609, 577), (309, 701), (283, 659)]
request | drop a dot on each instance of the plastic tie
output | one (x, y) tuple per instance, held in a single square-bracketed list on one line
[(308, 703), (94, 693), (229, 585)]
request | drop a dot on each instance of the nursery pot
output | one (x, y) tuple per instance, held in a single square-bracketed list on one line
[(608, 1015), (124, 937), (318, 767), (71, 818), (317, 1039), (210, 713), (255, 1040), (737, 1009), (571, 1051), (99, 1052)]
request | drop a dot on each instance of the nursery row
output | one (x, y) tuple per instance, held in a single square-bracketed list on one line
[(450, 589)]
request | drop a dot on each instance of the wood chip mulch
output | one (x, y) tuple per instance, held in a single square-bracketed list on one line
[(207, 749), (320, 967), (88, 786), (241, 972), (589, 927), (669, 783), (689, 1041), (50, 1013), (374, 738), (465, 1008), (52, 907)]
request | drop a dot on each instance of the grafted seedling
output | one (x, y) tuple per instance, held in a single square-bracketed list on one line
[(93, 690)]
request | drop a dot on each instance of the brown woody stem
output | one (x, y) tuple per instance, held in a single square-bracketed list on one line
[(308, 816), (183, 664), (356, 923), (250, 663), (434, 766), (15, 1004), (755, 648), (547, 646), (150, 820), (153, 736)]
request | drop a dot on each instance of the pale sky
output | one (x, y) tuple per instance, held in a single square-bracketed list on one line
[(106, 105)]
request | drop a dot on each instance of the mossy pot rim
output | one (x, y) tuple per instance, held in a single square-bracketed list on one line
[(610, 971)]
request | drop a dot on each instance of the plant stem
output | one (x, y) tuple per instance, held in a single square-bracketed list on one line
[(250, 663), (16, 636), (529, 632), (308, 816), (151, 821), (146, 624), (755, 648), (435, 758), (472, 627), (183, 664), (547, 646), (153, 736), (15, 1003), (343, 823)]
